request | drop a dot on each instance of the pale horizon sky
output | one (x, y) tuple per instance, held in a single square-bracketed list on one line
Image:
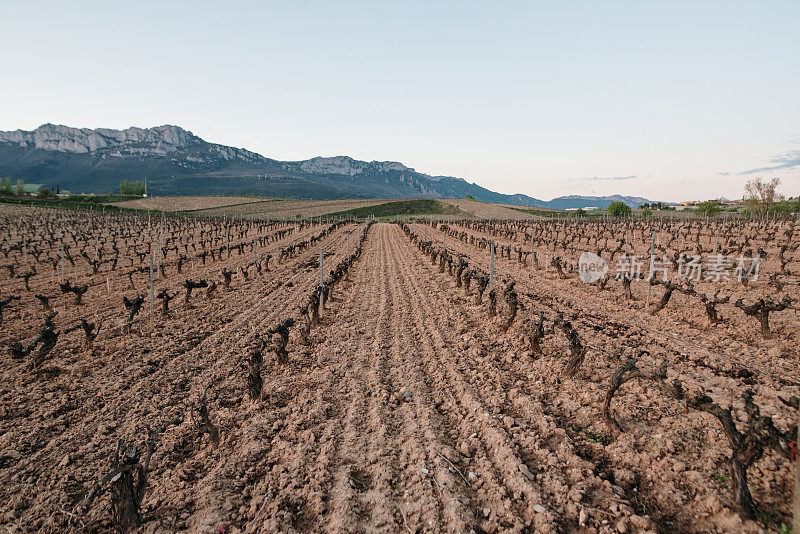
[(666, 100)]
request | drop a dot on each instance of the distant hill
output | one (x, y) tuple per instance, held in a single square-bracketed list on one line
[(577, 201), (177, 162)]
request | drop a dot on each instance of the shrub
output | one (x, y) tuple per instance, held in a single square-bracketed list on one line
[(618, 209), (709, 208)]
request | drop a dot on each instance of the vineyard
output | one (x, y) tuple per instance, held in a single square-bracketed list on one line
[(224, 375)]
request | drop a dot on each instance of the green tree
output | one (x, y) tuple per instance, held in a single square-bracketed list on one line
[(618, 209), (786, 207), (20, 186), (580, 212), (647, 213), (760, 195), (44, 193), (709, 208), (470, 197), (132, 188), (7, 185)]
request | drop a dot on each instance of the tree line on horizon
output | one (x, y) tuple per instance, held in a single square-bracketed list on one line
[(760, 198), (132, 188)]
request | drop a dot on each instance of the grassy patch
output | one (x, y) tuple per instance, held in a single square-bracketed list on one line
[(596, 437), (400, 208), (721, 477), (30, 188)]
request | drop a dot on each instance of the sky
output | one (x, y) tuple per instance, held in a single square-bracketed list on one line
[(666, 100)]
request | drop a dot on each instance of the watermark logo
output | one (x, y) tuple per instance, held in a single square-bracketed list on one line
[(692, 268), (591, 267)]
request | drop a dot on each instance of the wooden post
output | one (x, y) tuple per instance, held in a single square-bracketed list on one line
[(61, 279), (652, 261), (491, 265), (796, 503), (532, 251), (151, 288), (626, 240), (158, 252), (321, 282)]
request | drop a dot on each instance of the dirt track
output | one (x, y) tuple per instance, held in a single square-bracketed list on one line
[(409, 462)]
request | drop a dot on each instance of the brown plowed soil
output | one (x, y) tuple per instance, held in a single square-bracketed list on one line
[(409, 423), (263, 208), (186, 203), (410, 410), (288, 209)]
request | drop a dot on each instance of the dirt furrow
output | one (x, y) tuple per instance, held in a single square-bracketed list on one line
[(360, 489), (417, 415), (495, 441)]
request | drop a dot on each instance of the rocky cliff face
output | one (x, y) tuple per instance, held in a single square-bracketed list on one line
[(160, 140), (344, 166)]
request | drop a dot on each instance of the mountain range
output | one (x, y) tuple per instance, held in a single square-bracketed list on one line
[(174, 161)]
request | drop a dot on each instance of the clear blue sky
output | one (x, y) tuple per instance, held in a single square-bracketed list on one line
[(668, 100)]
